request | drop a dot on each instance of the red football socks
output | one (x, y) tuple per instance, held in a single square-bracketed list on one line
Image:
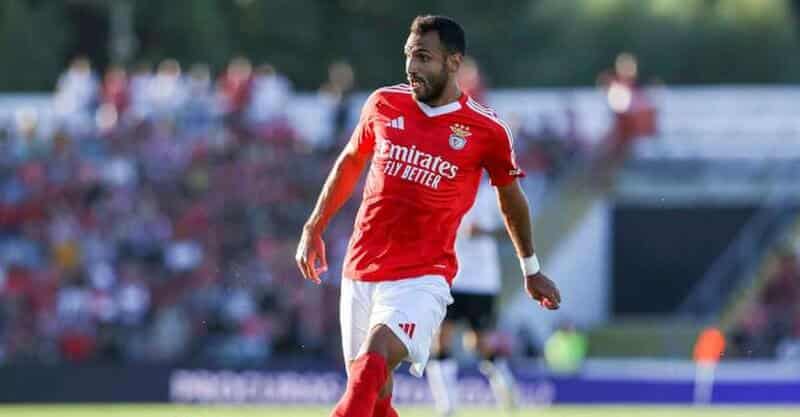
[(383, 408), (368, 373)]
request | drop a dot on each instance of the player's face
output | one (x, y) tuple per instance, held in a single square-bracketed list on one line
[(427, 66)]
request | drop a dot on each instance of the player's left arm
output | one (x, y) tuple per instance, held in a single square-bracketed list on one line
[(516, 215)]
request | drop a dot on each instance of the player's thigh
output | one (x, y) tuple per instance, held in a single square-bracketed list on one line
[(482, 319), (412, 309), (354, 312), (479, 312), (443, 339), (384, 341), (457, 311)]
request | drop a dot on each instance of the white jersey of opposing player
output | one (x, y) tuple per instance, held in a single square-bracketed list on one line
[(478, 259)]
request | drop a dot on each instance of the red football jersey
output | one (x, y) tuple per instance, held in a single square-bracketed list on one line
[(426, 166)]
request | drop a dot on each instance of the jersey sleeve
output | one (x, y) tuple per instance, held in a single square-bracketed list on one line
[(363, 137), (500, 161)]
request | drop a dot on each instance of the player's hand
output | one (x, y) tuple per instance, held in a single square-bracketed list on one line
[(543, 290), (310, 250)]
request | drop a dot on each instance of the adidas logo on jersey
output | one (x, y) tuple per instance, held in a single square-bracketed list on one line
[(408, 328), (397, 123)]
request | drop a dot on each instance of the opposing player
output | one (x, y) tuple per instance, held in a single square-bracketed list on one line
[(474, 291), (428, 145)]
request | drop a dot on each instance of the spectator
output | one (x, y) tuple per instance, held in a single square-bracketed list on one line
[(336, 95), (634, 113), (270, 96), (140, 101), (235, 88), (115, 89), (26, 141), (167, 90), (471, 81), (76, 97), (197, 115), (782, 293), (771, 324)]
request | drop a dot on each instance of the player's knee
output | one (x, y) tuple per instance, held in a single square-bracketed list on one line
[(444, 339), (442, 349), (484, 345), (383, 341)]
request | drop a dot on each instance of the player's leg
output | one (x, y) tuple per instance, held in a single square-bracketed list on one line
[(494, 363), (496, 369), (354, 308), (383, 405), (369, 373), (442, 370), (412, 310), (354, 311)]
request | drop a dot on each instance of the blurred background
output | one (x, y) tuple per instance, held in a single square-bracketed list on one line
[(158, 160)]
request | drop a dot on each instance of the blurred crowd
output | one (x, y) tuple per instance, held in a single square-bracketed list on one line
[(156, 219), (770, 325)]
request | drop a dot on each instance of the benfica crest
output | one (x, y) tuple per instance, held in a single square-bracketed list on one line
[(458, 139)]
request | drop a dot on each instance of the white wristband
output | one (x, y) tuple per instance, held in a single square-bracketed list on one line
[(530, 265)]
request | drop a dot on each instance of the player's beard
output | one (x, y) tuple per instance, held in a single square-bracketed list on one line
[(433, 86)]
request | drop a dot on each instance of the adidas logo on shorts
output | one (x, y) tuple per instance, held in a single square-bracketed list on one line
[(408, 328)]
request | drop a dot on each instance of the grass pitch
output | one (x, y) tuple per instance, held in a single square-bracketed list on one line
[(127, 410)]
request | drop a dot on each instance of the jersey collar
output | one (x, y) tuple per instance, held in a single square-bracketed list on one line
[(431, 111)]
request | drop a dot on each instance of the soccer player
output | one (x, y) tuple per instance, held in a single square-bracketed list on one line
[(474, 289), (428, 145)]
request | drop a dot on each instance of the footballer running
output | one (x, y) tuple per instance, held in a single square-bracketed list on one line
[(427, 145)]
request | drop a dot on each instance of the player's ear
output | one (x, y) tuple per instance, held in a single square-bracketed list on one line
[(454, 62)]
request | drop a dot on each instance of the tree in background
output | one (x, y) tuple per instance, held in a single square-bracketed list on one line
[(517, 42), (32, 44)]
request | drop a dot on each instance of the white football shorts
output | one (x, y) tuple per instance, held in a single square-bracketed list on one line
[(412, 308)]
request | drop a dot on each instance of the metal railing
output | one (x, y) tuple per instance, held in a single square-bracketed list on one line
[(738, 261)]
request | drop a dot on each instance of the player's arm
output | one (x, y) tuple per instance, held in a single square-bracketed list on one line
[(338, 187), (516, 215)]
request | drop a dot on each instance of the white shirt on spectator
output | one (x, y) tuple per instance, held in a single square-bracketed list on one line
[(76, 91), (141, 105), (270, 96), (167, 93)]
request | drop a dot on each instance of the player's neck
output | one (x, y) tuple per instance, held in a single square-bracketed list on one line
[(450, 94)]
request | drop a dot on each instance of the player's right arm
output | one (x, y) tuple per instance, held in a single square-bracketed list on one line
[(338, 187)]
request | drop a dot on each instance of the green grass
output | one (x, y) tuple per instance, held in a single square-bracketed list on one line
[(257, 411)]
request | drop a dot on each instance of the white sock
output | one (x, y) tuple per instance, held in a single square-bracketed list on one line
[(501, 380), (442, 377)]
